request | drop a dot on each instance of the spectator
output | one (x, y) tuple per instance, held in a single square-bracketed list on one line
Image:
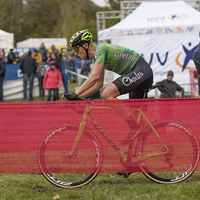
[(42, 50), (56, 57), (28, 65), (57, 60), (168, 87), (37, 56), (17, 58), (85, 70), (69, 57), (53, 48), (108, 41), (11, 56), (40, 72), (25, 54), (64, 77), (52, 81), (2, 73), (48, 56), (58, 54), (4, 57), (196, 59)]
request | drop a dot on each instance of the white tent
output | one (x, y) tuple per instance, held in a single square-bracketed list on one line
[(35, 42), (6, 39), (165, 33)]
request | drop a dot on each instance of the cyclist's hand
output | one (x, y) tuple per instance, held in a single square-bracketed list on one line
[(70, 96), (63, 97)]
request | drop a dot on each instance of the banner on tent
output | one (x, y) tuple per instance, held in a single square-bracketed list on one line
[(164, 53), (151, 31)]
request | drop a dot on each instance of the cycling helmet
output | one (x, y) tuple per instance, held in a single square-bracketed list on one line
[(80, 37)]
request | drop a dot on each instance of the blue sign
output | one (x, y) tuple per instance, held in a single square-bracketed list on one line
[(13, 72)]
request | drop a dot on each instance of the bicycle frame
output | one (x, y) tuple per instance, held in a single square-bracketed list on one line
[(88, 118)]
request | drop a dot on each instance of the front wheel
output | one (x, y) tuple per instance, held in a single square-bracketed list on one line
[(62, 169), (181, 159)]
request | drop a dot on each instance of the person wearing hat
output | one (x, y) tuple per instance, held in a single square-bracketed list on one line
[(196, 59), (168, 87), (52, 80), (11, 56), (17, 58)]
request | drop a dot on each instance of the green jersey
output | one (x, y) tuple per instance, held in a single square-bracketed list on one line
[(116, 58)]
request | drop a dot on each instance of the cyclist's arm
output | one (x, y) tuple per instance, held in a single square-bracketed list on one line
[(94, 88), (93, 83)]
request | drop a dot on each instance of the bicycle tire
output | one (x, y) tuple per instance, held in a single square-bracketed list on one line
[(182, 165), (54, 161)]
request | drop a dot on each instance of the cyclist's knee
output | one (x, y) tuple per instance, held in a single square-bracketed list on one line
[(110, 92), (106, 95)]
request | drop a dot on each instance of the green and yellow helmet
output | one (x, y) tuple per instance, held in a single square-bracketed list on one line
[(80, 37)]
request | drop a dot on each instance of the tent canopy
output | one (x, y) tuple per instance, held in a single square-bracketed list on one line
[(165, 34), (35, 42), (152, 17), (6, 39)]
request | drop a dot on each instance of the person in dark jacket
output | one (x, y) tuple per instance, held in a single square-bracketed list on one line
[(28, 65), (43, 51), (57, 60), (2, 74), (11, 56), (196, 59), (168, 87)]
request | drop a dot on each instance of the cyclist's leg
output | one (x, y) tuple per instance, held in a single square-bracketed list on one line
[(140, 77), (110, 92), (139, 92)]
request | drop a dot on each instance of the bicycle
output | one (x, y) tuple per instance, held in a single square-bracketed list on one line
[(54, 168)]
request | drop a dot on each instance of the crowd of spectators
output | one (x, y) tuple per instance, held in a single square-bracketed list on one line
[(33, 63)]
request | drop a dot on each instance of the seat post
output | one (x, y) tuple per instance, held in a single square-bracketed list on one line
[(145, 93)]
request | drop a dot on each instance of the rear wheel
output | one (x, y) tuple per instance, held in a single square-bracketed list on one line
[(67, 171), (180, 161)]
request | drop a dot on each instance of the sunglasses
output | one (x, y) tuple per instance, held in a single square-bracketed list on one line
[(76, 49)]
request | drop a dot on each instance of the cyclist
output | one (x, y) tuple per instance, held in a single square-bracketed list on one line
[(135, 72)]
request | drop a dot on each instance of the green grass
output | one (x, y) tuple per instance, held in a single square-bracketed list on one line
[(105, 186)]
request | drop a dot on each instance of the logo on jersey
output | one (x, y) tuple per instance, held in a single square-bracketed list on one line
[(96, 52), (128, 81), (125, 56)]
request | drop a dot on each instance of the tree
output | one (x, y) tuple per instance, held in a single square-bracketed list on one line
[(52, 18), (11, 16), (78, 15), (115, 4)]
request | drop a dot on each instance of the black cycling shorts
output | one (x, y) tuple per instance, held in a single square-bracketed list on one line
[(141, 77)]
